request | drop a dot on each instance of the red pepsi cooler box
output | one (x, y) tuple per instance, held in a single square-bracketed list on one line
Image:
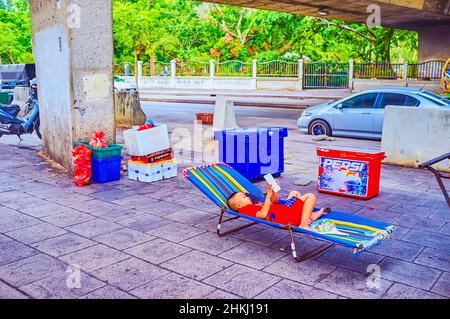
[(349, 172)]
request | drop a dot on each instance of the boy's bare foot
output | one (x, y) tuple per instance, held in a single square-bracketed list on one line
[(306, 227)]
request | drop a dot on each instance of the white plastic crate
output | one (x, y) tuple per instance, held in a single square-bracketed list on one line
[(148, 141), (152, 172)]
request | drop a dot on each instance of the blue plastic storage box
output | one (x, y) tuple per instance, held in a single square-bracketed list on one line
[(106, 170), (253, 152)]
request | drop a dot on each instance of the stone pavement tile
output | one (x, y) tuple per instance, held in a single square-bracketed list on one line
[(23, 203), (94, 228), (135, 201), (91, 205), (173, 286), (400, 232), (211, 225), (176, 232), (220, 294), (38, 232), (267, 236), (352, 285), (412, 210), (44, 210), (445, 230), (123, 238), (408, 273), (12, 220), (211, 243), (304, 244), (378, 214), (428, 239), (201, 203), (68, 218), (343, 257), (287, 289), (129, 274), (174, 195), (116, 213), (144, 222), (196, 265), (442, 286), (56, 287), (94, 257), (420, 223), (14, 251), (63, 245), (31, 269), (434, 258), (163, 208), (190, 216), (4, 239), (111, 194), (400, 291), (434, 203), (406, 199), (68, 198), (13, 195), (157, 251), (242, 281), (380, 204), (253, 255), (8, 292), (443, 213), (308, 272), (398, 249), (107, 292)]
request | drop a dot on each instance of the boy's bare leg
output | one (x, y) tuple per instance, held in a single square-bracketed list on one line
[(294, 194), (309, 201)]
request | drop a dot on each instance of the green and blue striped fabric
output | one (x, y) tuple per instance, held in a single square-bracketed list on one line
[(219, 181)]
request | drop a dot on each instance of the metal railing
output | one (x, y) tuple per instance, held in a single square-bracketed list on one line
[(378, 71), (277, 68), (192, 68), (430, 70), (156, 69), (325, 74), (233, 68)]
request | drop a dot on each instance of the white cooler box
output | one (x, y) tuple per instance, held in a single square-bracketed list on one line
[(152, 172), (141, 143)]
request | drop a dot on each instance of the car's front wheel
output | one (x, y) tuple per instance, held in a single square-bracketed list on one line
[(319, 127)]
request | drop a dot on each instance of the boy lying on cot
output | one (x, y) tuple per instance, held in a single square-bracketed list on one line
[(297, 210)]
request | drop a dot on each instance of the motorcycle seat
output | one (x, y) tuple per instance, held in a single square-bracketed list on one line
[(12, 109)]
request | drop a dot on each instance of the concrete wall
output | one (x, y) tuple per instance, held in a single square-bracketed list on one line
[(359, 85), (434, 43), (73, 50), (426, 136)]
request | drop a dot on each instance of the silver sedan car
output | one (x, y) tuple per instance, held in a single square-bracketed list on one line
[(361, 115)]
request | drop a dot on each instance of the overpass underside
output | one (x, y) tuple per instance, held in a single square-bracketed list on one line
[(430, 18)]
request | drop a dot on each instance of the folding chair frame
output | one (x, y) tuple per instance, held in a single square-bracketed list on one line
[(297, 258), (439, 176)]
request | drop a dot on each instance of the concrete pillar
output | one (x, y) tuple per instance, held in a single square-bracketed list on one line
[(212, 69), (126, 69), (173, 72), (405, 71), (351, 68), (140, 64), (434, 43), (301, 71), (73, 49), (254, 69)]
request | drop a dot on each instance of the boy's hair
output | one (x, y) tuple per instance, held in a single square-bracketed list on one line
[(229, 198)]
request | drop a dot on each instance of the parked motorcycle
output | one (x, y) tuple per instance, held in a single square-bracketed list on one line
[(12, 124)]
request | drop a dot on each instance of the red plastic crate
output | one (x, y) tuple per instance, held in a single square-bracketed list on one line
[(205, 118), (349, 171)]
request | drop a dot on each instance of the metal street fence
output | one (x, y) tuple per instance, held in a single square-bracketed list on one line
[(313, 74)]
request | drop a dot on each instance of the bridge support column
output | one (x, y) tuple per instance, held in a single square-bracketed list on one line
[(73, 49), (434, 43)]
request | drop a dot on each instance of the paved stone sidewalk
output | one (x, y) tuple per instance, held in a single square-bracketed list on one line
[(135, 240)]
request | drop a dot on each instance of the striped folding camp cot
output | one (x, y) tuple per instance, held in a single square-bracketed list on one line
[(219, 181)]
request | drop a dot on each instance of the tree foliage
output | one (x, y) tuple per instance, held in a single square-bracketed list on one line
[(188, 30)]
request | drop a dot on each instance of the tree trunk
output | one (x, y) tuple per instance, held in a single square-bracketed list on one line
[(152, 65), (136, 78)]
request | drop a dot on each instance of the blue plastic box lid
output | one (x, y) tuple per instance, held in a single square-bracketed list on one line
[(282, 131)]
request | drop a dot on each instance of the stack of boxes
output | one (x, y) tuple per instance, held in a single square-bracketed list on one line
[(151, 155)]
